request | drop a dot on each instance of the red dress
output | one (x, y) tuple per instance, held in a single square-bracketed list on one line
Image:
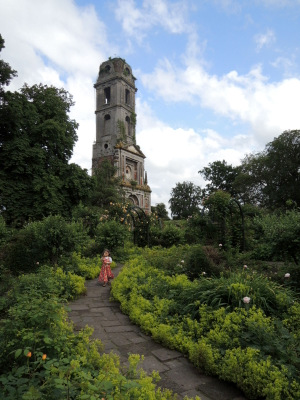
[(105, 273)]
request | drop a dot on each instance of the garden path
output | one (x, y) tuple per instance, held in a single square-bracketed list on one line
[(121, 336)]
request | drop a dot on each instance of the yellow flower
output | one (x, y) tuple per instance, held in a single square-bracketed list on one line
[(29, 354), (44, 356)]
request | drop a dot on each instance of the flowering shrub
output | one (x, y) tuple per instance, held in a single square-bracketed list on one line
[(42, 358), (246, 300), (241, 327)]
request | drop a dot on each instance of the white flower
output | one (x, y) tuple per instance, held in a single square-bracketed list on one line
[(220, 245), (182, 261), (37, 263), (287, 275), (203, 273), (246, 300), (245, 266)]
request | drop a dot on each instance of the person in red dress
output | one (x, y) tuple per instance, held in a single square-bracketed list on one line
[(105, 274)]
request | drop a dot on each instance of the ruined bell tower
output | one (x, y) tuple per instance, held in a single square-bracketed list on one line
[(115, 130)]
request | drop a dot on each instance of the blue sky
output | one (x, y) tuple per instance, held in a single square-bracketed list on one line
[(216, 79)]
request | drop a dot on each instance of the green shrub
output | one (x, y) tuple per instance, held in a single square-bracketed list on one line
[(110, 235), (229, 291), (88, 268), (257, 377), (171, 259), (43, 242), (171, 236), (155, 233), (196, 229), (280, 235), (89, 216), (5, 232), (197, 263), (42, 358), (208, 320)]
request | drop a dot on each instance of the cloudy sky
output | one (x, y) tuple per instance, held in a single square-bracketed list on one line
[(216, 79)]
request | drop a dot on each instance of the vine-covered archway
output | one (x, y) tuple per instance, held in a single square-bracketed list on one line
[(225, 220), (136, 217)]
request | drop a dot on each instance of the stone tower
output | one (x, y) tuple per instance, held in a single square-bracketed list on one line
[(115, 130)]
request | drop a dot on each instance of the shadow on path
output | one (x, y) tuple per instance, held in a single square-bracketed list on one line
[(121, 336)]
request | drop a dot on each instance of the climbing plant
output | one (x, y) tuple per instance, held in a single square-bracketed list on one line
[(136, 217), (122, 131), (224, 220)]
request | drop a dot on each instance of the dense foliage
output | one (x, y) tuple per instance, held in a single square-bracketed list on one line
[(270, 178), (37, 138), (42, 358), (221, 176), (242, 326), (160, 210), (192, 291), (185, 200), (42, 242), (6, 72), (106, 186), (281, 236)]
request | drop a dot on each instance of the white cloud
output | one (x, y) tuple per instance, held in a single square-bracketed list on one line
[(176, 155), (264, 39), (287, 65), (52, 35), (60, 44), (136, 21), (269, 108), (55, 42)]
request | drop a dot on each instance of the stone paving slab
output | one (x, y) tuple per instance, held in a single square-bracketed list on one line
[(165, 354), (151, 363), (79, 307), (185, 377), (120, 336)]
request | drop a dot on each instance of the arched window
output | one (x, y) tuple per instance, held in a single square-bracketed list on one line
[(107, 124), (134, 199), (127, 96), (107, 95)]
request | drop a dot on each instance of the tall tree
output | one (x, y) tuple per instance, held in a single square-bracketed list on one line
[(6, 72), (37, 138), (221, 176), (160, 210), (185, 200), (272, 178)]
